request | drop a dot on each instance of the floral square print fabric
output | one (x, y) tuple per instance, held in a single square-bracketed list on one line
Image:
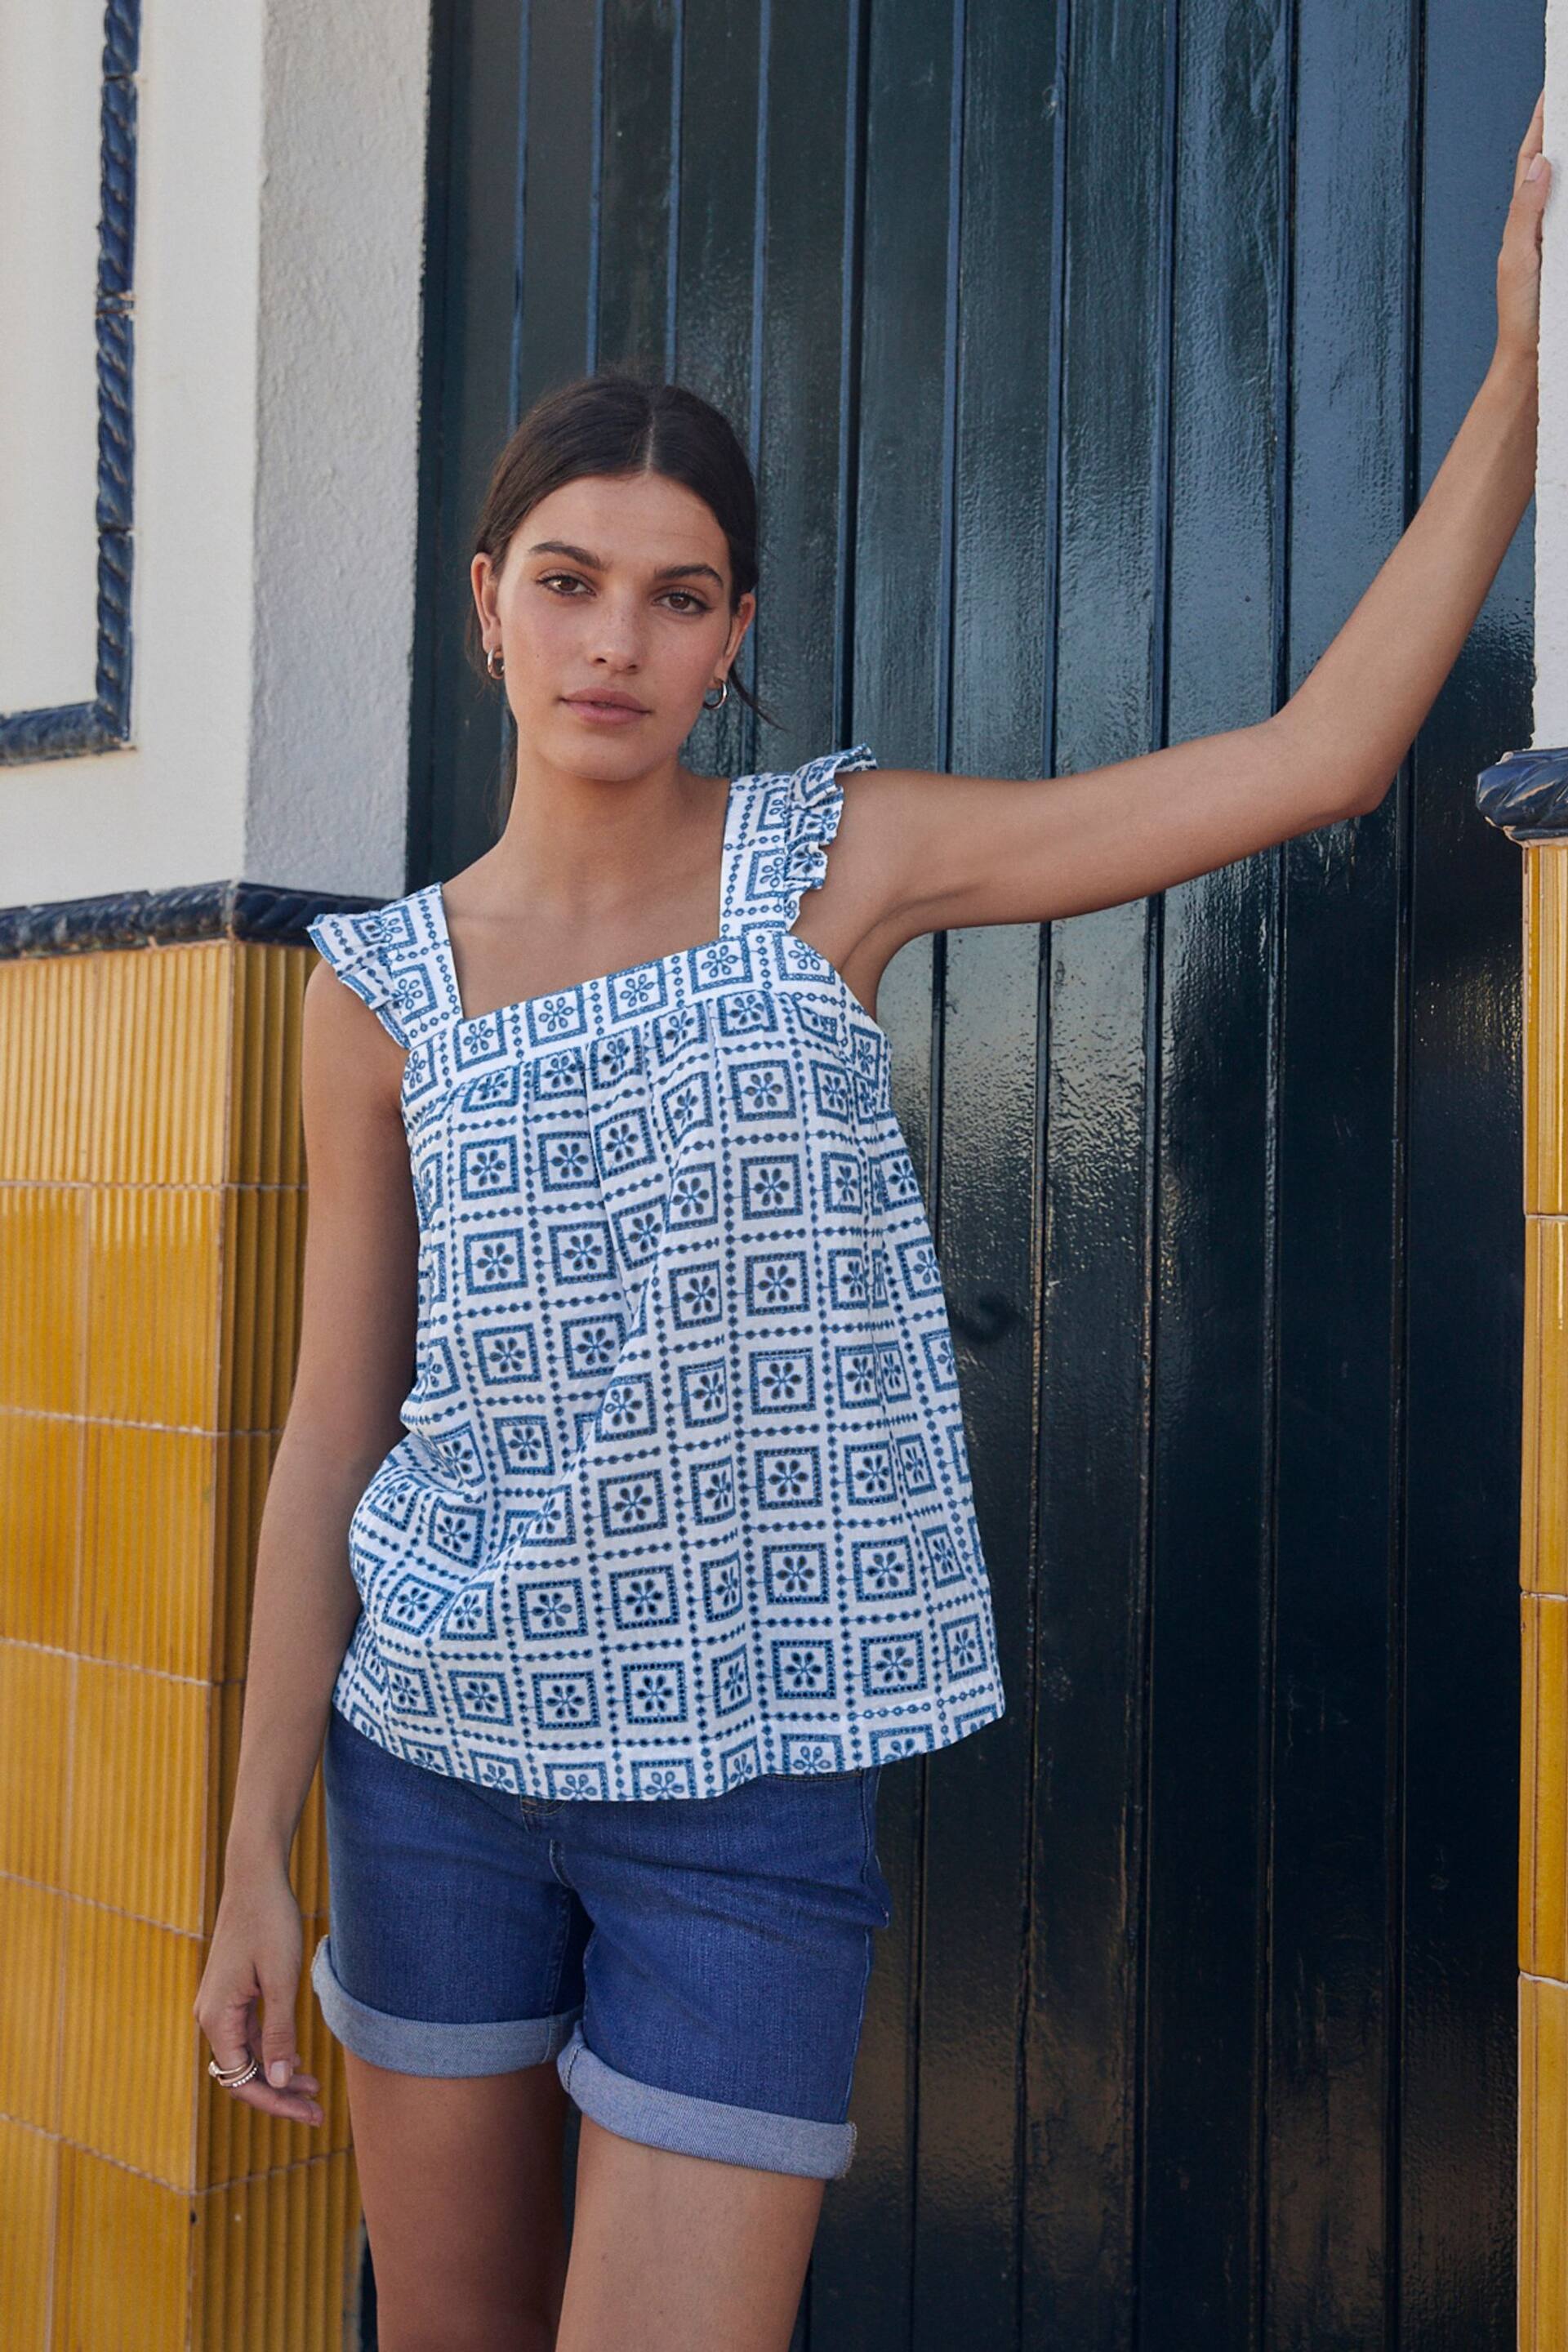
[(683, 1496)]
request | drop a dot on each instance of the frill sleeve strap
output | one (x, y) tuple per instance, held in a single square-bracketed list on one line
[(816, 803), (356, 945)]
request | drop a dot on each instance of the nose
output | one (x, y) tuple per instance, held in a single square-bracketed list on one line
[(616, 632)]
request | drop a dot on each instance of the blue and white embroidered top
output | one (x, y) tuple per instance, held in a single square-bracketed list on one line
[(684, 1495)]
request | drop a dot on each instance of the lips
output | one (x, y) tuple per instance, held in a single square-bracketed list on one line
[(603, 702)]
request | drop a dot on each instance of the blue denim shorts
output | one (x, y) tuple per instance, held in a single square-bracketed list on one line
[(696, 1966)]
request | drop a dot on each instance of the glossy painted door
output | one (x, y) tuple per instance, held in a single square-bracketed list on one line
[(1092, 357)]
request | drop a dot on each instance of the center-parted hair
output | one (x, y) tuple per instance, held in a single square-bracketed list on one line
[(616, 424)]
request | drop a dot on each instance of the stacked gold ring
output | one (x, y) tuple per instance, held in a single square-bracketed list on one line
[(236, 2075)]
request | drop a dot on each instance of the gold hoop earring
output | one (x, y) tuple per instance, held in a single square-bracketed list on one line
[(723, 697), (491, 659)]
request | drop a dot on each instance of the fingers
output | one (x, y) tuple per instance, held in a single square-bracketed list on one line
[(1531, 145), (234, 2041), (300, 2103)]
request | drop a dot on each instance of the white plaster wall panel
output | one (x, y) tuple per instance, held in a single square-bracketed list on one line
[(49, 84), (275, 483), (343, 207)]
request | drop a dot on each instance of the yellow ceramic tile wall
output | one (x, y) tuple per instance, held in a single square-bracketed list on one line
[(40, 1525), (122, 2261), (43, 1280), (1544, 1464), (30, 2003), (1543, 1573), (37, 1697), (29, 2167), (1546, 1031), (1543, 2165), (152, 1220), (139, 1759), (150, 1522), (46, 1011), (155, 1274), (1544, 1787), (161, 1030), (249, 2293)]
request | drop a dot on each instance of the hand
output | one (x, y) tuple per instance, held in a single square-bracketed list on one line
[(257, 1946), (1519, 263)]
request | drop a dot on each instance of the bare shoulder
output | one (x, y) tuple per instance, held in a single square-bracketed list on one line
[(358, 1307), (351, 1075), (344, 1037), (886, 857)]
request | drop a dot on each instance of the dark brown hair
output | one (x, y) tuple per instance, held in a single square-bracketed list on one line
[(614, 423)]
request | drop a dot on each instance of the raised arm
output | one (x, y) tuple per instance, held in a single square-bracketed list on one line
[(974, 849)]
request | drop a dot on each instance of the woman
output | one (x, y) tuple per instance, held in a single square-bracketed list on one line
[(677, 1506)]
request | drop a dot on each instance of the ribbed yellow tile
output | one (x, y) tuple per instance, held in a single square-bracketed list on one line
[(1543, 2165), (29, 2171), (1544, 1787), (37, 1693), (1546, 1031), (265, 1139), (43, 1241), (155, 1276), (159, 1076), (1544, 1463), (124, 2263), (45, 1019), (32, 1932), (243, 1466), (130, 2080), (41, 1463), (150, 1545), (138, 1777), (263, 1238), (277, 2262), (151, 1221)]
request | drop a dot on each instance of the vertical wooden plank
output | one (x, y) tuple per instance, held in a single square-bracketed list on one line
[(555, 159), (1335, 1947), (1001, 526), (811, 140), (1086, 1907), (808, 342), (899, 664), (467, 389), (1464, 1247), (1198, 2269), (721, 272), (637, 185)]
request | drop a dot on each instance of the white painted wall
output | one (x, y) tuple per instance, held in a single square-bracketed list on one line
[(48, 395), (1551, 446), (278, 254)]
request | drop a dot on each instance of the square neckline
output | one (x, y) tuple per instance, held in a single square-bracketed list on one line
[(600, 979)]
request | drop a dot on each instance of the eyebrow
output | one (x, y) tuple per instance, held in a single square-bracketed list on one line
[(594, 563)]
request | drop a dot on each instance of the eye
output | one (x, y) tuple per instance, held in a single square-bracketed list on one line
[(570, 582)]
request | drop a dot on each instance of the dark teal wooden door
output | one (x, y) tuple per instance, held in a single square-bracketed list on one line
[(1093, 356)]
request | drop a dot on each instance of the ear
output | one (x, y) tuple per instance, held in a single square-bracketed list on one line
[(741, 621), (482, 579)]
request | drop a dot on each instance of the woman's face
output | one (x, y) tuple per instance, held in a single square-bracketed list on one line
[(615, 585)]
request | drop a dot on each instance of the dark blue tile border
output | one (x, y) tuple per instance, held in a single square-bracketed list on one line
[(103, 724), (1525, 795), (146, 918)]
